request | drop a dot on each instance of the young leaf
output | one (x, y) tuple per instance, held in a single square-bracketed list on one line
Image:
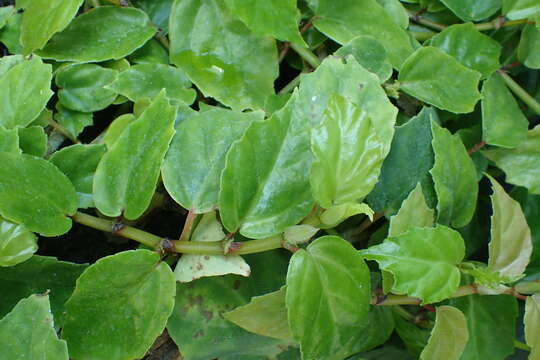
[(125, 180), (24, 92), (33, 140), (73, 121), (33, 192), (27, 332), (196, 157), (532, 325), (473, 10), (103, 33), (510, 247), (528, 52), (437, 78), (131, 292), (16, 243), (520, 164), (423, 262), (414, 212), (454, 176), (298, 234), (273, 193), (448, 337), (337, 214), (328, 296), (221, 55), (43, 18)]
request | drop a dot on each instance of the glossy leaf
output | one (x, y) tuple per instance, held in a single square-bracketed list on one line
[(423, 261), (9, 140), (147, 80), (24, 92), (125, 180), (79, 162), (103, 33), (151, 53), (438, 79), (27, 332), (414, 212), (33, 140), (470, 47), (157, 10), (337, 214), (473, 10), (510, 247), (16, 243), (454, 176), (131, 292), (529, 43), (532, 325), (73, 121), (520, 164), (221, 55), (33, 192), (448, 337), (520, 9), (328, 296), (349, 19), (273, 193), (43, 18)]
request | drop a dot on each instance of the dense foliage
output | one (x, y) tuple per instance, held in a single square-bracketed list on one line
[(277, 179)]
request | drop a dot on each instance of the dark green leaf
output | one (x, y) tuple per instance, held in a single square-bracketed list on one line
[(158, 10), (73, 121), (33, 140)]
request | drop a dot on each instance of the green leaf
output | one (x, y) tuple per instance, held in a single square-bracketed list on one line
[(491, 321), (276, 18), (529, 43), (103, 33), (131, 292), (7, 62), (503, 123), (470, 47), (116, 128), (408, 163), (147, 80), (437, 78), (531, 208), (33, 140), (448, 337), (414, 212), (520, 9), (221, 55), (28, 332), (265, 315), (328, 296), (151, 53), (423, 262), (520, 164), (5, 13), (158, 10), (73, 121), (532, 325), (56, 277), (298, 234), (510, 247), (17, 244), (335, 215), (473, 10), (413, 336), (9, 140), (79, 162), (83, 87), (33, 192), (194, 162), (348, 154), (125, 179), (10, 34), (349, 18), (24, 92), (454, 175), (43, 18), (397, 11)]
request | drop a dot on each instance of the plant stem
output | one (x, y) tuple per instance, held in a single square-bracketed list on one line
[(62, 130), (499, 23), (163, 40), (519, 345), (291, 85), (423, 21), (306, 54), (188, 225), (520, 92)]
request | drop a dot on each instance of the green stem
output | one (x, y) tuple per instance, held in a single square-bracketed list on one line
[(499, 23), (519, 345), (163, 40), (521, 93), (188, 226), (426, 22), (62, 130), (392, 299), (307, 55), (291, 85)]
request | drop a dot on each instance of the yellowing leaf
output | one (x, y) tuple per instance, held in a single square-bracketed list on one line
[(532, 325), (448, 337)]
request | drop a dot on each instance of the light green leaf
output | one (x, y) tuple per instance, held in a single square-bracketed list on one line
[(24, 92), (16, 243), (528, 50), (448, 337), (328, 296), (83, 87), (503, 123), (10, 34), (7, 62), (5, 13), (414, 212), (348, 154), (221, 55), (103, 33), (454, 176), (33, 140), (532, 325), (151, 53), (33, 192), (265, 315), (276, 18), (193, 266), (116, 128), (43, 18), (73, 121), (348, 19), (473, 10), (423, 262), (79, 162), (272, 193), (127, 175), (298, 234), (147, 80), (9, 140), (194, 162), (335, 215), (397, 11), (510, 247), (520, 9), (522, 164), (470, 47), (27, 332), (131, 292), (437, 78)]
